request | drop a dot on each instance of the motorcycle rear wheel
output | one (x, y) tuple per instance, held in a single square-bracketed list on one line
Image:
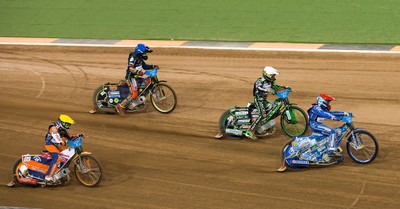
[(88, 170), (222, 125), (17, 176), (96, 97), (297, 125), (163, 98), (364, 148), (283, 156)]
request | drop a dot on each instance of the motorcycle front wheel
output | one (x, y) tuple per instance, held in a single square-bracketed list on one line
[(163, 98), (362, 147), (294, 121), (88, 170)]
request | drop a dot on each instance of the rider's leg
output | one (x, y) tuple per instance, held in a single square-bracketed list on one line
[(133, 89), (259, 102), (54, 152), (327, 131)]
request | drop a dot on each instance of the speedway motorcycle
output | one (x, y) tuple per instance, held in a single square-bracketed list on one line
[(30, 170), (235, 121), (305, 151), (162, 96)]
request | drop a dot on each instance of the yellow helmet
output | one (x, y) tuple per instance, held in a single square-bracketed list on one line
[(65, 121)]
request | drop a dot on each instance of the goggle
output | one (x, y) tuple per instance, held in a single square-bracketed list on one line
[(66, 125)]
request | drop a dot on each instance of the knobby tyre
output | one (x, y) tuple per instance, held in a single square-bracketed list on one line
[(88, 170), (297, 125), (163, 98), (96, 96), (16, 175), (222, 125), (363, 148)]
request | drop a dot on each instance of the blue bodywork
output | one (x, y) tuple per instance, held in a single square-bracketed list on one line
[(305, 150)]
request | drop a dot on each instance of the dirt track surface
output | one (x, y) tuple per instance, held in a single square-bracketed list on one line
[(152, 160)]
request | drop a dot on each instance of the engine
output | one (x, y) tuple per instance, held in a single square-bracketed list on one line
[(266, 126), (63, 173), (136, 102)]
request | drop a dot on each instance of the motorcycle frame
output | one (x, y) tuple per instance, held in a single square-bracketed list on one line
[(346, 129), (153, 81), (78, 152)]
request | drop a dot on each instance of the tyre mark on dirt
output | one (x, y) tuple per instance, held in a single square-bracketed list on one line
[(43, 83), (39, 75), (288, 199), (203, 103), (74, 79), (359, 196)]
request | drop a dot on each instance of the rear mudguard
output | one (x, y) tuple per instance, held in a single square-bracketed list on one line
[(293, 160)]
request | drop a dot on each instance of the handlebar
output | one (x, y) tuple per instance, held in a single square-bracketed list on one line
[(348, 119), (151, 73)]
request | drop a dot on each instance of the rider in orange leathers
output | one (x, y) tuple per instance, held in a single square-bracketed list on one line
[(54, 143)]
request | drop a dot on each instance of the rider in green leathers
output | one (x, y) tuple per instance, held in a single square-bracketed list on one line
[(262, 87)]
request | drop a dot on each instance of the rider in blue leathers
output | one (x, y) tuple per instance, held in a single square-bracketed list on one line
[(318, 112), (135, 74)]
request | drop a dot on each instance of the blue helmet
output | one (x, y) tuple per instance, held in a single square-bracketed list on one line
[(142, 50)]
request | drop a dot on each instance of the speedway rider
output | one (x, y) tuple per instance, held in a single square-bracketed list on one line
[(263, 86), (317, 113), (54, 142), (134, 73)]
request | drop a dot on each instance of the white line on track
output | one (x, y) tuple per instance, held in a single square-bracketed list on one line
[(215, 48)]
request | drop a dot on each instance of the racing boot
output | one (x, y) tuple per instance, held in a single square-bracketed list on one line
[(250, 134), (121, 110), (335, 152), (49, 178)]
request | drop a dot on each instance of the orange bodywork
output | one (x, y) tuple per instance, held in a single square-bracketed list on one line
[(36, 166)]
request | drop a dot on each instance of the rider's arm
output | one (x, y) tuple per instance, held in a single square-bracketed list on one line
[(276, 87), (56, 138), (338, 113), (147, 67), (324, 114), (259, 86), (134, 66)]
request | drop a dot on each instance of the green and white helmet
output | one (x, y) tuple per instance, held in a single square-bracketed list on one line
[(268, 73)]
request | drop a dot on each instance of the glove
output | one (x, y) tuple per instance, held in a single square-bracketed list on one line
[(156, 66), (82, 135), (346, 114), (272, 91), (335, 118)]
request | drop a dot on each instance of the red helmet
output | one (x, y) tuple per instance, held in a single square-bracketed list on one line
[(324, 99)]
